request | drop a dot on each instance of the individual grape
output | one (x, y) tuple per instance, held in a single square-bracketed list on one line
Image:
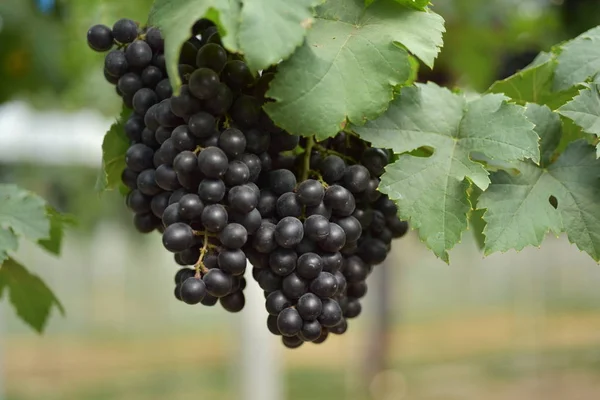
[(237, 174), (190, 256), (309, 265), (341, 283), (283, 141), (397, 227), (125, 30), (232, 141), (178, 237), (166, 178), (201, 25), (116, 64), (146, 182), (234, 236), (267, 203), (242, 199), (233, 302), (165, 116), (183, 139), (214, 217), (133, 128), (283, 261), (208, 33), (264, 238), (177, 195), (332, 262), (311, 331), (186, 105), (269, 281), (192, 290), (129, 178), (331, 314), (155, 39), (357, 289), (292, 342), (320, 209), (211, 56), (254, 165), (309, 307), (282, 181), (272, 325), (324, 285), (353, 308), (246, 110), (188, 51), (211, 141), (150, 118), (276, 302), (289, 322), (385, 236), (129, 83), (213, 162), (317, 227), (166, 153), (355, 270), (191, 207), (171, 215), (350, 248), (364, 217), (266, 162), (158, 60), (340, 200), (340, 328), (100, 38), (113, 80), (351, 227), (386, 206), (356, 178), (310, 192), (143, 100), (306, 246), (204, 83), (293, 286), (218, 283), (289, 232), (138, 202), (184, 274), (322, 338), (332, 169), (221, 102), (372, 251), (209, 300), (162, 134), (375, 160), (232, 261), (237, 75), (251, 221), (138, 54), (371, 194), (211, 190), (257, 141), (146, 222), (163, 89), (288, 205), (335, 240)]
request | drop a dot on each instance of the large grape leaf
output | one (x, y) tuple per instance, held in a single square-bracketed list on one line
[(417, 4), (534, 84), (584, 110), (578, 60), (270, 30), (561, 196), (58, 223), (114, 147), (349, 65), (28, 294), (175, 18), (431, 192), (22, 213)]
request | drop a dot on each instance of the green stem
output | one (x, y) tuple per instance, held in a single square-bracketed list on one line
[(334, 153), (310, 142), (199, 266)]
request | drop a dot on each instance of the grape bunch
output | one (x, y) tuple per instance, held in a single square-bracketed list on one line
[(210, 171)]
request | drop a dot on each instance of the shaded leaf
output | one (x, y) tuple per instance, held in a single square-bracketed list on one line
[(579, 59), (114, 147), (58, 223), (584, 110)]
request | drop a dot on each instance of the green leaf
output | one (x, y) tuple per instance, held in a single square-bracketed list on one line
[(175, 18), (432, 192), (534, 84), (476, 222), (578, 60), (416, 4), (564, 197), (584, 110), (114, 147), (22, 213), (349, 65), (28, 294), (58, 222), (270, 30)]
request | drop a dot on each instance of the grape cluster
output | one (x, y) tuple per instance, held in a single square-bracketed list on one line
[(210, 171)]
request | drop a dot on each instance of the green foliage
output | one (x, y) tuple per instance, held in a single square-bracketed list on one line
[(114, 146), (578, 60), (584, 110), (25, 215), (350, 64), (432, 192), (28, 294)]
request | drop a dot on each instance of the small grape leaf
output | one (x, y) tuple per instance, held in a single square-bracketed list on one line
[(431, 192), (175, 18), (270, 30), (416, 4), (534, 84), (561, 197), (58, 222), (578, 60), (476, 222), (584, 110), (28, 294), (349, 64), (114, 147), (22, 213)]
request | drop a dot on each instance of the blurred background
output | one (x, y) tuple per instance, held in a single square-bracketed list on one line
[(511, 326)]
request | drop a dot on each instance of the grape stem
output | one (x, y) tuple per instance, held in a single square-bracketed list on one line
[(319, 177), (199, 266), (327, 151), (198, 149), (310, 142)]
